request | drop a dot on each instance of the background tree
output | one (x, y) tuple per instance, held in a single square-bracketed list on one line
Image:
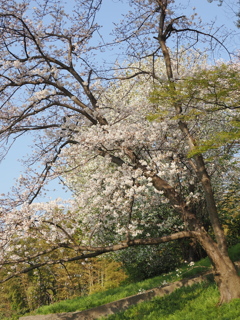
[(51, 86), (49, 284)]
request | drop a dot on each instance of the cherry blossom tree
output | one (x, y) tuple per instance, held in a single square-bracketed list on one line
[(125, 138)]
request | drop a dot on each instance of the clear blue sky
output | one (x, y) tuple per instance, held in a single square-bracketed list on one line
[(112, 11)]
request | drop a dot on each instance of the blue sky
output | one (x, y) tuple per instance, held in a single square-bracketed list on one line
[(112, 11)]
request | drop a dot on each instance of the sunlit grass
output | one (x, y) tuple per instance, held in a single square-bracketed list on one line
[(96, 299), (198, 302), (100, 298)]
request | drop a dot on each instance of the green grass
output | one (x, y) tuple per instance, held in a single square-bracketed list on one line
[(198, 302), (97, 299)]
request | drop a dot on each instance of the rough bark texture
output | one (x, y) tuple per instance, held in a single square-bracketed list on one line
[(225, 272)]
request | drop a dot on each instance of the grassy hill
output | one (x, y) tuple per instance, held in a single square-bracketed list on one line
[(196, 302)]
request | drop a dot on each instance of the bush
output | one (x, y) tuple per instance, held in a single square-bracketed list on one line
[(144, 262)]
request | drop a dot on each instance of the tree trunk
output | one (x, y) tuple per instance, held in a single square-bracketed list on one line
[(227, 280), (225, 272)]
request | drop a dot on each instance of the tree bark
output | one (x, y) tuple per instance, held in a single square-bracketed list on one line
[(225, 272)]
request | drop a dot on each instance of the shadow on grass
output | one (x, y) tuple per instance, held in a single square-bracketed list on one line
[(198, 302), (161, 308)]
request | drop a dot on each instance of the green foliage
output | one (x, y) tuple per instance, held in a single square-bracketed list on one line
[(17, 296), (229, 207), (49, 284), (14, 300), (104, 274), (220, 139), (234, 252), (145, 262), (207, 95)]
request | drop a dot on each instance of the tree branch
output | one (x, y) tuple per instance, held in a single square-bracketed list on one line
[(96, 251)]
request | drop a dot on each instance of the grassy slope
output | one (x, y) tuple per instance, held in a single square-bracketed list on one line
[(197, 302)]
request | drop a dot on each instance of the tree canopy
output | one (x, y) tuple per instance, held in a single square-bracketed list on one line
[(140, 142)]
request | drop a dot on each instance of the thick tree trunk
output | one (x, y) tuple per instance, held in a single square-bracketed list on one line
[(227, 280), (225, 272)]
